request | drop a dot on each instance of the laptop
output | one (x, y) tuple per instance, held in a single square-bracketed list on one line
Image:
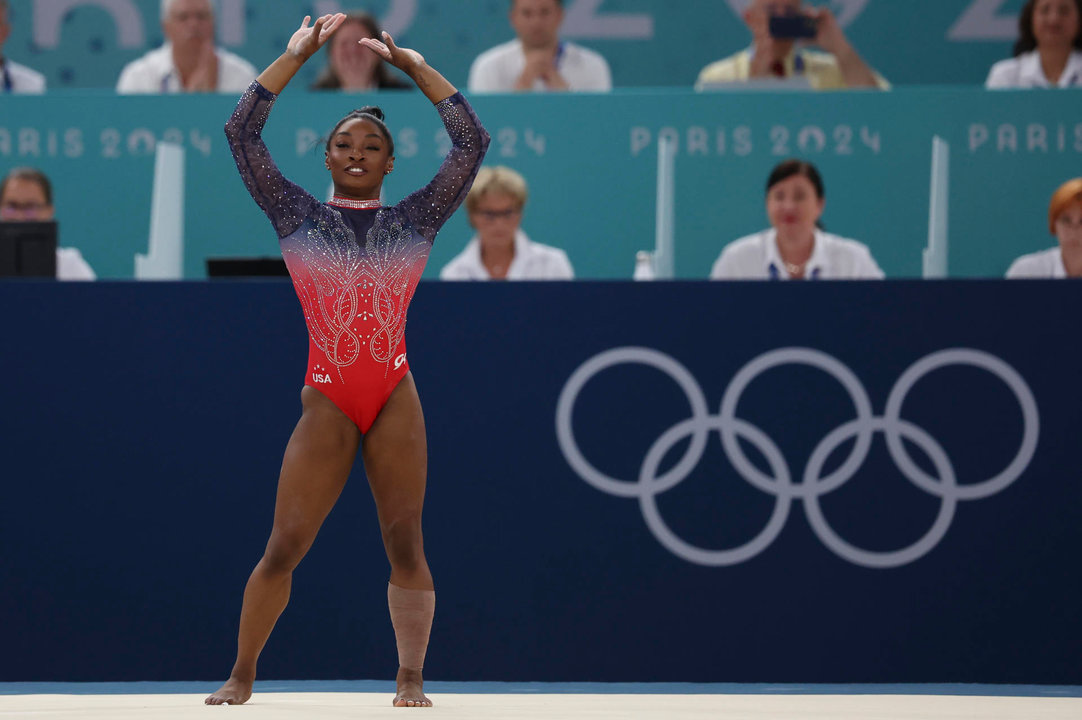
[(28, 249)]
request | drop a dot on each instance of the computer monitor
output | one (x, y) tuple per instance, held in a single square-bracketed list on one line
[(28, 249), (246, 267)]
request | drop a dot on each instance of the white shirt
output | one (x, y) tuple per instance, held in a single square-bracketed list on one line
[(20, 78), (1043, 264), (1025, 71), (156, 73), (70, 265), (497, 69), (756, 257), (533, 261)]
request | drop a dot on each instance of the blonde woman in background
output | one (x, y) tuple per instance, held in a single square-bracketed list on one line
[(501, 250)]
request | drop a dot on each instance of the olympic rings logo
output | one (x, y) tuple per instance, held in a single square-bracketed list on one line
[(779, 483)]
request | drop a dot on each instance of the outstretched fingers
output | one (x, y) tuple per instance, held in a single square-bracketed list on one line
[(329, 26), (377, 47)]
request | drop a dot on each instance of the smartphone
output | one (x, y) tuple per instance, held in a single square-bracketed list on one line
[(793, 27)]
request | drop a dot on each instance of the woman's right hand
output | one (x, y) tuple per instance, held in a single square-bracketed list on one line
[(307, 40), (404, 59)]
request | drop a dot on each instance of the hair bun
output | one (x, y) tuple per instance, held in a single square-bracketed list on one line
[(371, 110)]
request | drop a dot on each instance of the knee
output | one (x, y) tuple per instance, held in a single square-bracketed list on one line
[(403, 540), (284, 552)]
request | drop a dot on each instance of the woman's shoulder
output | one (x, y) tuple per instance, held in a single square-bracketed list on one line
[(845, 243), (1040, 264), (845, 248), (749, 243), (1005, 73)]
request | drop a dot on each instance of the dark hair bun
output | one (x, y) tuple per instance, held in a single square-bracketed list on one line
[(371, 110)]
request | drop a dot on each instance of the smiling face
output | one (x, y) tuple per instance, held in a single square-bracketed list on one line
[(1056, 23), (537, 22), (794, 207), (359, 156)]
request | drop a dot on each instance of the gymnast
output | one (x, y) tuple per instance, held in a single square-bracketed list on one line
[(355, 265)]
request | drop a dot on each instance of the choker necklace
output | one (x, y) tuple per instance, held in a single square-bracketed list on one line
[(339, 201), (794, 269)]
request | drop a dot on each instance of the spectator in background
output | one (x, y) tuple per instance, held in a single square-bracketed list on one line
[(26, 195), (1065, 222), (353, 67), (1048, 52), (15, 78), (537, 59), (795, 247), (189, 61), (500, 250), (779, 57)]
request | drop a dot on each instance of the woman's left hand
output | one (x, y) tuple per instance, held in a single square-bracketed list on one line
[(402, 58), (307, 40)]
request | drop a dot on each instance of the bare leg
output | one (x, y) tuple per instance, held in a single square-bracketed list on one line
[(395, 456), (317, 463)]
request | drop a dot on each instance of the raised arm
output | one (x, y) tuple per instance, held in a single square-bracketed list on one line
[(435, 87), (285, 203), (855, 71), (432, 205), (303, 45)]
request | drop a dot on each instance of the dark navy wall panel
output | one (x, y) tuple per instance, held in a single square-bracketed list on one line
[(143, 425)]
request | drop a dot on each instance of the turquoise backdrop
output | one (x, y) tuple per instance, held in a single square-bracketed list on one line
[(591, 161)]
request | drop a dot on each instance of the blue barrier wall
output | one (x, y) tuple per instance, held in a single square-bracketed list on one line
[(591, 164), (85, 43), (143, 428)]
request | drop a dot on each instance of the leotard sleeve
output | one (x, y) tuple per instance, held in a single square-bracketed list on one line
[(431, 206), (285, 203)]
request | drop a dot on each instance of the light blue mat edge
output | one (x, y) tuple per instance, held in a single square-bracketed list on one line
[(568, 688)]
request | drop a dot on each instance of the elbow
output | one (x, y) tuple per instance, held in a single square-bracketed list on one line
[(483, 140), (232, 130), (235, 132)]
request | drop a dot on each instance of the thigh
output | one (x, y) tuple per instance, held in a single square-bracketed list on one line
[(395, 452), (316, 465)]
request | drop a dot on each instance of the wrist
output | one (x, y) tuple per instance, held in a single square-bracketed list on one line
[(415, 70), (295, 56)]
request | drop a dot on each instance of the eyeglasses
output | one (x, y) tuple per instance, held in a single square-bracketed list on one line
[(497, 214), (14, 210)]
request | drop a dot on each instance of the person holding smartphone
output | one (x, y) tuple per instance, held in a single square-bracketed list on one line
[(781, 31)]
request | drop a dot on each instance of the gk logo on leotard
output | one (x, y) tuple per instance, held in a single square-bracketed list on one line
[(400, 361), (942, 485)]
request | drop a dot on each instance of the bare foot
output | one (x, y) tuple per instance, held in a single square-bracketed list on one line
[(410, 692), (234, 692)]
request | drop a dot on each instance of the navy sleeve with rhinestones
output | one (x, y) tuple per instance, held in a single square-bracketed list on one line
[(431, 206), (284, 202)]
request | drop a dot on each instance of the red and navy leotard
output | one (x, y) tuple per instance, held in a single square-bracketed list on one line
[(355, 270)]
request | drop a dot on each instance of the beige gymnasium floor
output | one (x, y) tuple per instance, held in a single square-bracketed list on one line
[(534, 703)]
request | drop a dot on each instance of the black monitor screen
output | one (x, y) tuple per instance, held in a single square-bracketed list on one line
[(28, 249), (246, 267)]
